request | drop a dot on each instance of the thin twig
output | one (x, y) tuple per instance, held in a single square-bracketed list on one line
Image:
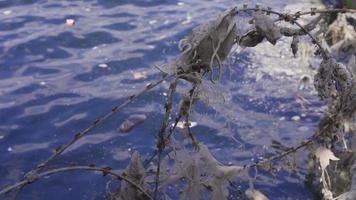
[(161, 134), (187, 123), (299, 13), (324, 52), (96, 123), (341, 10), (104, 170)]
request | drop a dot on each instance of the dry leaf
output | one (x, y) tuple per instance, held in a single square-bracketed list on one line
[(251, 39), (325, 155), (265, 25), (294, 45)]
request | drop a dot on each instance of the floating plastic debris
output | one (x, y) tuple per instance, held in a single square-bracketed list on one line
[(42, 83), (103, 65), (139, 75), (187, 20), (181, 124), (253, 194), (296, 118), (304, 82), (1, 137), (9, 149), (70, 22), (131, 122)]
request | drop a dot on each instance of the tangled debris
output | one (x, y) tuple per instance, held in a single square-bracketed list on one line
[(204, 52)]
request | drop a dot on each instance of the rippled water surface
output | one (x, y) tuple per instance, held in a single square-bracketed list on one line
[(56, 79)]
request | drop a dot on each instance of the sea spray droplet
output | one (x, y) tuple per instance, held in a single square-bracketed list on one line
[(131, 122)]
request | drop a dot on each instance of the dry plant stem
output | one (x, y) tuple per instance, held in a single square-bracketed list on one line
[(342, 10), (305, 143), (96, 123), (74, 168), (34, 174), (286, 153), (116, 109), (161, 141), (187, 123), (147, 161), (297, 14), (324, 52)]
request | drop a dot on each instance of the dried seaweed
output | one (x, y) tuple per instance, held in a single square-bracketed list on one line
[(206, 48)]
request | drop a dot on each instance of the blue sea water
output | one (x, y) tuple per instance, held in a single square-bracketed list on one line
[(53, 83)]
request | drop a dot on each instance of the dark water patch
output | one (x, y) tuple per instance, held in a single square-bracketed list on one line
[(18, 22), (114, 67), (7, 37), (74, 185), (39, 71), (119, 15), (8, 3), (25, 90), (267, 105), (40, 46), (52, 5), (40, 100), (90, 40), (123, 26), (55, 21), (138, 3)]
